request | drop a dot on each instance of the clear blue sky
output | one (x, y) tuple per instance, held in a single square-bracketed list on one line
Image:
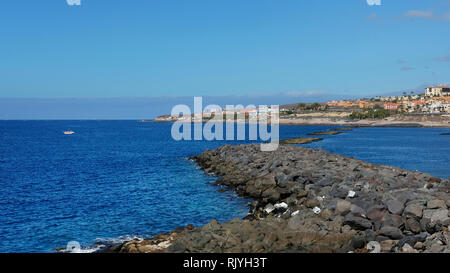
[(145, 48)]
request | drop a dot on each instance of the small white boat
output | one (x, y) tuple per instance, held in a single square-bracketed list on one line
[(69, 132)]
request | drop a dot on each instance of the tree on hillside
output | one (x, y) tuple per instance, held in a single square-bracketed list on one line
[(301, 106), (314, 106), (377, 107)]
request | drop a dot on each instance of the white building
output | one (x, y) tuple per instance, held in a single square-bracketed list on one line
[(437, 91)]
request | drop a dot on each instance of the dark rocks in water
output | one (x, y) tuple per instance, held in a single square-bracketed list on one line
[(309, 200), (300, 140), (341, 129), (190, 227), (324, 133)]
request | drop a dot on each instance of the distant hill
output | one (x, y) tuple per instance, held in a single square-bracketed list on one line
[(291, 106), (418, 90)]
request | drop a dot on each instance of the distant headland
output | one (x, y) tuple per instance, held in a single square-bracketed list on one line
[(430, 109)]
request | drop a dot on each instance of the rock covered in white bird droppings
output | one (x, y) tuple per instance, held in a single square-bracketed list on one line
[(374, 247), (281, 205), (295, 213), (269, 208)]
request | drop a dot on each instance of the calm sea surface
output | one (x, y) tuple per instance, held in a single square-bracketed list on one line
[(113, 180)]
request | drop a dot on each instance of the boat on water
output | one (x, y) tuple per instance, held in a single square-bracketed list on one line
[(69, 132)]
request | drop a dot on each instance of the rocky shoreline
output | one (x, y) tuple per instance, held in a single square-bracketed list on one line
[(301, 140), (309, 200), (330, 119)]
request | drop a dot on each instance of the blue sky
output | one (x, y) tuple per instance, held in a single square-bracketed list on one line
[(279, 49)]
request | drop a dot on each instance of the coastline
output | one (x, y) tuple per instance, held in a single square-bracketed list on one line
[(308, 200), (368, 123), (444, 122)]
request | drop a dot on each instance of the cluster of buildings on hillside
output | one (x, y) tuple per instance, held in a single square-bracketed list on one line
[(226, 114), (436, 99), (238, 113)]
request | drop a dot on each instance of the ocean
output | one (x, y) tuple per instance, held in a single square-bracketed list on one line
[(116, 180)]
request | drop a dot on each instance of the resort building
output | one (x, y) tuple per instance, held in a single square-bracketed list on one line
[(363, 104), (437, 91), (390, 106)]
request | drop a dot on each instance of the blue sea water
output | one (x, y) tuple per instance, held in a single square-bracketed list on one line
[(113, 180), (422, 149)]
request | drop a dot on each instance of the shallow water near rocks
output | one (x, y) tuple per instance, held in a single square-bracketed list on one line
[(113, 180)]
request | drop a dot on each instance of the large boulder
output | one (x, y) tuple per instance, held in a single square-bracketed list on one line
[(391, 232), (357, 223), (343, 207), (413, 211), (436, 215), (413, 225), (394, 206), (436, 204)]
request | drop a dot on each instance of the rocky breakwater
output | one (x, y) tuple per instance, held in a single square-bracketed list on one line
[(308, 200)]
